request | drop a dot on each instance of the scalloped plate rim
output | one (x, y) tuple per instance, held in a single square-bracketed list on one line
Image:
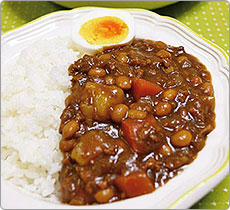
[(222, 170)]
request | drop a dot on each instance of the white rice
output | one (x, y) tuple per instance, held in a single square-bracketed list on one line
[(33, 94)]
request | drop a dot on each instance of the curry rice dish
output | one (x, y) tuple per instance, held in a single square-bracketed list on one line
[(137, 114)]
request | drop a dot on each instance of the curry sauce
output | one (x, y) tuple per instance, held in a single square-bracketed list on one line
[(136, 116)]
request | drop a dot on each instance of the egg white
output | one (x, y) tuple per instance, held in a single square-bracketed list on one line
[(85, 47)]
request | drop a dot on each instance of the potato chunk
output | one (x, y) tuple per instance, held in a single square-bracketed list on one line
[(97, 100)]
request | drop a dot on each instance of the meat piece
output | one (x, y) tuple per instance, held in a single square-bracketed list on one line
[(89, 147)]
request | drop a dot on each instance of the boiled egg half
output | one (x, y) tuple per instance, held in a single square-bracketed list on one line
[(103, 28)]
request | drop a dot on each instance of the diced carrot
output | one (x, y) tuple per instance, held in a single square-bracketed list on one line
[(136, 183), (131, 127), (141, 87)]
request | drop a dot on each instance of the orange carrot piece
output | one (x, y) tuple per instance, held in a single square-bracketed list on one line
[(136, 183), (141, 87)]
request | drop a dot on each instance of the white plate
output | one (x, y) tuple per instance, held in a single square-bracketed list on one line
[(211, 165)]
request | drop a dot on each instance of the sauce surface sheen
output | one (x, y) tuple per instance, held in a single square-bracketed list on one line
[(136, 116)]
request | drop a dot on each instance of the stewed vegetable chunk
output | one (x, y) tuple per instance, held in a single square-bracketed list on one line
[(97, 100), (143, 87), (140, 134), (136, 183)]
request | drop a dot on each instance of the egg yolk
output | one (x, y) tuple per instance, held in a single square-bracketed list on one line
[(104, 30)]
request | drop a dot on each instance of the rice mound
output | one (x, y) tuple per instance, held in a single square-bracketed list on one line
[(33, 91)]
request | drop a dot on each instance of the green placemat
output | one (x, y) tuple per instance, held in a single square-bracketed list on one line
[(210, 19), (17, 13)]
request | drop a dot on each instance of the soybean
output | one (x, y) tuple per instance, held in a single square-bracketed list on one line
[(97, 72), (170, 94), (137, 114), (181, 138), (119, 112), (109, 80), (207, 88), (163, 54), (70, 129), (103, 196), (163, 109), (122, 57), (165, 150), (123, 82), (66, 145)]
